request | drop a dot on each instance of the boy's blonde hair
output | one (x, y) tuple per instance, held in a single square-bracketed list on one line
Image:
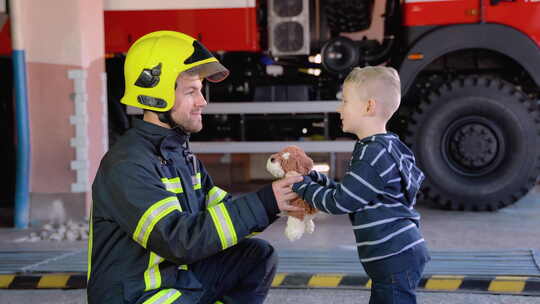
[(379, 83)]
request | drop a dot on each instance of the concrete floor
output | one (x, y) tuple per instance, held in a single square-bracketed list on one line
[(514, 227), (281, 296), (332, 296)]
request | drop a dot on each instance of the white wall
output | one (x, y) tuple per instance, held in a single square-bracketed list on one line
[(63, 31)]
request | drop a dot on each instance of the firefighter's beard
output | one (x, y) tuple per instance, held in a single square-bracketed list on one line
[(188, 122)]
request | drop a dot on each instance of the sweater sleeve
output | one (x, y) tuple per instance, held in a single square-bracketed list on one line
[(321, 179), (358, 189)]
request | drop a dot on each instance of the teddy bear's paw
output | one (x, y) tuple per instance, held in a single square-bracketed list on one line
[(293, 235), (295, 229), (310, 226)]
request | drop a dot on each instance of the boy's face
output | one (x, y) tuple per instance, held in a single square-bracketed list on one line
[(352, 109)]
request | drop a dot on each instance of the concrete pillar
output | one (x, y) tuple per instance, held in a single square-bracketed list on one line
[(64, 42)]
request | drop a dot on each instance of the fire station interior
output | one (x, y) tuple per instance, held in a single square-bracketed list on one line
[(291, 67), (470, 113)]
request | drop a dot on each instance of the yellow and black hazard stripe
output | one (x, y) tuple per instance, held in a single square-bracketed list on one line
[(43, 281), (499, 284)]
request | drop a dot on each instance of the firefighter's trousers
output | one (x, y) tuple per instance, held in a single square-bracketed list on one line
[(240, 274)]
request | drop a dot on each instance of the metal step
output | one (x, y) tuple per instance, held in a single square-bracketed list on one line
[(519, 262)]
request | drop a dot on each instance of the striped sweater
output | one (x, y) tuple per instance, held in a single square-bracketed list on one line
[(378, 192)]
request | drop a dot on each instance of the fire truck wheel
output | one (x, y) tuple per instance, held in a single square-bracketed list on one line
[(478, 141), (348, 16)]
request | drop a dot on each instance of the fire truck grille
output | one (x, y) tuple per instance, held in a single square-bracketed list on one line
[(289, 36)]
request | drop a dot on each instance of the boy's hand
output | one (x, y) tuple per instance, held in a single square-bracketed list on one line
[(316, 177), (283, 193)]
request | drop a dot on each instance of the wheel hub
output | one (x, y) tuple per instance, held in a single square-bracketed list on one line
[(473, 145)]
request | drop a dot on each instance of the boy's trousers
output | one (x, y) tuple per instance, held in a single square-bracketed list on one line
[(394, 280)]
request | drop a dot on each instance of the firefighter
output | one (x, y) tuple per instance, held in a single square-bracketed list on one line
[(160, 230)]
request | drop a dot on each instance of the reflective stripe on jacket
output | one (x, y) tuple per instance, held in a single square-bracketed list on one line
[(155, 212)]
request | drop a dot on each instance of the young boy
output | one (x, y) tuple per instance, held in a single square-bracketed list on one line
[(379, 190)]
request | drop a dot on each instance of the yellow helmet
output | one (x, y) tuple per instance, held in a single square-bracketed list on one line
[(154, 62)]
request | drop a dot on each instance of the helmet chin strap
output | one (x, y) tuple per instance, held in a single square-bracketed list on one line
[(165, 117)]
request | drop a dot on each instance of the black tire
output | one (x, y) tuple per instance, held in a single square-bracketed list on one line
[(478, 141), (347, 16)]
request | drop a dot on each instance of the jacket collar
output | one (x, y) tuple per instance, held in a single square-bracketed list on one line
[(376, 137), (167, 141), (387, 135)]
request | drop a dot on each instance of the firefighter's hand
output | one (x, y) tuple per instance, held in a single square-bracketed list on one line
[(292, 173), (284, 194)]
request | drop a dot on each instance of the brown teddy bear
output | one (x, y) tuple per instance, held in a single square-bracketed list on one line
[(293, 160)]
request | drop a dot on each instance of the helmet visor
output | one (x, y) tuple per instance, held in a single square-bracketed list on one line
[(212, 71)]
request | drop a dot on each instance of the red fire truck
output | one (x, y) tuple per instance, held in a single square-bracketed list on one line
[(470, 72)]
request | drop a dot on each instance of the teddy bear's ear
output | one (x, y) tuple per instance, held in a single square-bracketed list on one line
[(303, 162), (286, 161), (307, 163)]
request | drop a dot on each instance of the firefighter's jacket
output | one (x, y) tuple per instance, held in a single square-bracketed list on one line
[(155, 211)]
